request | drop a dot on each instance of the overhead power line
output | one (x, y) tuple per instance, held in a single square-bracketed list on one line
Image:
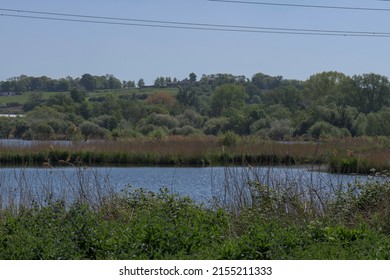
[(42, 15), (304, 5)]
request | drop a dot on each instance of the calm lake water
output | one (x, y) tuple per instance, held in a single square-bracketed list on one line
[(201, 184), (20, 185)]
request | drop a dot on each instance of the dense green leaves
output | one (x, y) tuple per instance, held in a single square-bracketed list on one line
[(327, 105), (226, 98), (138, 224)]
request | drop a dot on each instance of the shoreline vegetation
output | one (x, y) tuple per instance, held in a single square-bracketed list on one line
[(363, 155), (245, 221)]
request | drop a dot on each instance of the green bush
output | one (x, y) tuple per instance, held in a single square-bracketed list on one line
[(138, 224), (348, 165), (228, 139)]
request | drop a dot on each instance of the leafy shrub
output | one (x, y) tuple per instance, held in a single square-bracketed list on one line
[(165, 120), (185, 130), (159, 133), (89, 129), (364, 203), (228, 139), (41, 131), (348, 165), (106, 121), (280, 129), (215, 125), (321, 130), (192, 118)]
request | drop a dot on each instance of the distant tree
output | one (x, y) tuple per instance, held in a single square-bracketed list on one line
[(215, 125), (41, 83), (192, 77), (369, 92), (323, 130), (101, 82), (324, 88), (227, 97), (340, 116), (221, 79), (160, 82), (62, 85), (22, 83), (238, 121), (5, 128), (41, 131), (378, 123), (61, 101), (280, 129), (6, 86), (113, 83), (263, 81), (191, 118), (92, 130), (88, 82), (84, 110), (278, 112), (106, 121), (188, 95), (141, 83), (111, 106), (288, 96), (21, 128), (164, 120), (130, 84), (35, 99), (77, 95)]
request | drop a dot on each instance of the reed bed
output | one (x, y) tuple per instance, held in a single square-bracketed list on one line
[(351, 155)]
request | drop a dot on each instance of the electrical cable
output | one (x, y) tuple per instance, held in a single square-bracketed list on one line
[(304, 5), (186, 25)]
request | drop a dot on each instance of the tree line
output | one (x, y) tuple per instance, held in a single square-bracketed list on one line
[(87, 81), (326, 105)]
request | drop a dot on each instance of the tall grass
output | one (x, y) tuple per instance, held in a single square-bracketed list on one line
[(174, 150), (354, 155), (24, 188)]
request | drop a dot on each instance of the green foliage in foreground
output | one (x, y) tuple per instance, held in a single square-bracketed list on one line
[(146, 225)]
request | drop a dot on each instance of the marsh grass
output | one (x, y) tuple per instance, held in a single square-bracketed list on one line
[(359, 155), (175, 150), (350, 155)]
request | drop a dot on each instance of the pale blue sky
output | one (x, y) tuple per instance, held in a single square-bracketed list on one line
[(59, 49)]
